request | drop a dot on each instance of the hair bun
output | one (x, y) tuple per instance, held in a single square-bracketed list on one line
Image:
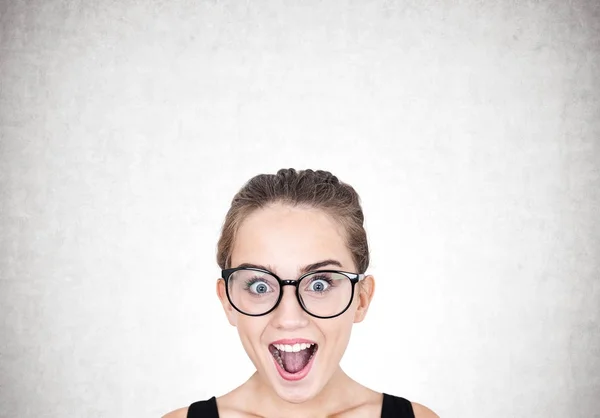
[(327, 177), (321, 175)]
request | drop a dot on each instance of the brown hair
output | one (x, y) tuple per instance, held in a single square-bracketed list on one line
[(318, 189)]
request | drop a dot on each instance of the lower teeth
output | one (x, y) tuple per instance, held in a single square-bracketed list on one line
[(278, 358)]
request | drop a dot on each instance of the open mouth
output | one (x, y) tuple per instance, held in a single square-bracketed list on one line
[(293, 360)]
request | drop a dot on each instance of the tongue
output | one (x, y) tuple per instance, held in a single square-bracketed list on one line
[(294, 362)]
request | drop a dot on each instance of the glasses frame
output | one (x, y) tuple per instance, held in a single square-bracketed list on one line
[(353, 277)]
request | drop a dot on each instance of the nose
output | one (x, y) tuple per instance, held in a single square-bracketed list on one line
[(289, 315)]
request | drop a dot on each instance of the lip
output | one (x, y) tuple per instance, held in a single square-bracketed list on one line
[(292, 377), (292, 341)]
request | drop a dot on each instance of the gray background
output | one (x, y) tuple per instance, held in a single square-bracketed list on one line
[(471, 130)]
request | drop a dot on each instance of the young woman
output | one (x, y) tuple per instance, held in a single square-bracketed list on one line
[(293, 254)]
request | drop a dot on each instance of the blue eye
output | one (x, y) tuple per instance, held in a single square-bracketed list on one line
[(319, 285), (257, 286)]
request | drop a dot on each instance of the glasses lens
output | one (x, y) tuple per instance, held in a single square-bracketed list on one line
[(253, 292), (325, 294)]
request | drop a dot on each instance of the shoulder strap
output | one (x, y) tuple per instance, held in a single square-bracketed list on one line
[(204, 409), (396, 407)]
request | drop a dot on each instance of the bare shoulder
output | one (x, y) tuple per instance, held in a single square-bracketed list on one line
[(422, 411), (178, 413)]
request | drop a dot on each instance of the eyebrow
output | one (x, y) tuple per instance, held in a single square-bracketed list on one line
[(305, 269)]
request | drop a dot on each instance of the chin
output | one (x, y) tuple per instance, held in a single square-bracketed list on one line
[(296, 388)]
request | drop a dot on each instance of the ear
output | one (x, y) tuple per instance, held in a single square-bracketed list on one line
[(230, 312), (366, 289)]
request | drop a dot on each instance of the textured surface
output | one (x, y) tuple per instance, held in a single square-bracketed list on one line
[(470, 129)]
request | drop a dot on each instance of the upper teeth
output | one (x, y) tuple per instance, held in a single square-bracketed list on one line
[(292, 348)]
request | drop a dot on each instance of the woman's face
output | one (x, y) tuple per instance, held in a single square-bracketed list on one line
[(285, 240)]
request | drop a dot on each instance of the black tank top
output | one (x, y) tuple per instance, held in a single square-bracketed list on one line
[(393, 407)]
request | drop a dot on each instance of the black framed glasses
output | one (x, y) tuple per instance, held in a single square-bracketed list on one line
[(323, 293)]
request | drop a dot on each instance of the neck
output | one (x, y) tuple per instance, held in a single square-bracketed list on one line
[(335, 396)]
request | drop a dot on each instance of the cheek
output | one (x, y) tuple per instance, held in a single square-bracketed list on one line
[(250, 336), (250, 329), (339, 329)]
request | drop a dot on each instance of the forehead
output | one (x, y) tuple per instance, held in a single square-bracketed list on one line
[(288, 238)]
